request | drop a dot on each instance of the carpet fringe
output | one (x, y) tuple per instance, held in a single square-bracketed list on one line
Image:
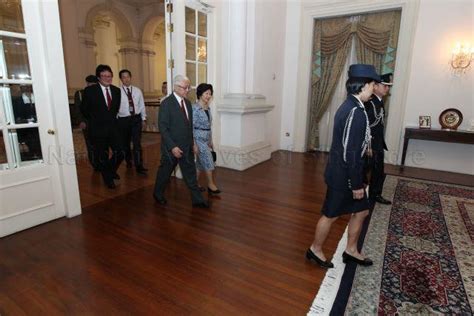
[(327, 293)]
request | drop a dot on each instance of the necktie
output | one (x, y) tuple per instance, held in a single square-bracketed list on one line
[(109, 99), (131, 106), (184, 111)]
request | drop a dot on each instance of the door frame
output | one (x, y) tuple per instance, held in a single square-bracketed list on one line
[(175, 40), (54, 75), (46, 59), (297, 77)]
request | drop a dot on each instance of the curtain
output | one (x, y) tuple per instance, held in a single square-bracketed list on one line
[(330, 49), (326, 124), (376, 41)]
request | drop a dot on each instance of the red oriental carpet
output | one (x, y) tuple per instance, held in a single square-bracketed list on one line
[(423, 251)]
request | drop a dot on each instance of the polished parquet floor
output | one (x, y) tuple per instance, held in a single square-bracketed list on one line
[(128, 255)]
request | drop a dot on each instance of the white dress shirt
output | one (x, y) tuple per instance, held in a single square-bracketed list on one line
[(184, 102), (105, 93), (138, 102)]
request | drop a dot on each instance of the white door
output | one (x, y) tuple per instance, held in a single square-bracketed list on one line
[(32, 99), (187, 41)]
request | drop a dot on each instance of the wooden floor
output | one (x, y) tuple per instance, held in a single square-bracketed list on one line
[(128, 255)]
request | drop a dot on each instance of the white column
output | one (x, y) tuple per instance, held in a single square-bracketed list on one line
[(131, 59), (243, 139), (88, 53), (237, 48), (148, 56)]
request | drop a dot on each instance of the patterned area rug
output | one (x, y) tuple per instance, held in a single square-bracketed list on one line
[(423, 252)]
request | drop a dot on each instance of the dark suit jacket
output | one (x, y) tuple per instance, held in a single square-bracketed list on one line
[(377, 131), (349, 173), (23, 111), (94, 109), (174, 129)]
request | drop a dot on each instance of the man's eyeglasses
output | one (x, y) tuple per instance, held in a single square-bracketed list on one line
[(184, 88)]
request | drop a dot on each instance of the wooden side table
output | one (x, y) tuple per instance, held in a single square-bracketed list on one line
[(438, 135)]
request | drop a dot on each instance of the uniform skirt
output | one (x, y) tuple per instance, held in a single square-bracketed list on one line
[(340, 202)]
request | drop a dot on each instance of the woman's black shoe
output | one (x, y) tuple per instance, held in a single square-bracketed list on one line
[(213, 191), (202, 189), (348, 258), (311, 256)]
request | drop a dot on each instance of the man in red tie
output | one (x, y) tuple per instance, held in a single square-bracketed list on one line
[(177, 144), (100, 105)]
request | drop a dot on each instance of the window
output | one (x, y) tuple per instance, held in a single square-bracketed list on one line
[(196, 48), (20, 142)]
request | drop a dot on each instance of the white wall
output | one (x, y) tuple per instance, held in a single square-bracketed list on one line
[(432, 87), (269, 61)]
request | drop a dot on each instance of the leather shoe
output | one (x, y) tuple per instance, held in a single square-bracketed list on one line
[(111, 185), (115, 176), (203, 204), (202, 189), (324, 264), (161, 201), (142, 171), (381, 200), (217, 191), (348, 258)]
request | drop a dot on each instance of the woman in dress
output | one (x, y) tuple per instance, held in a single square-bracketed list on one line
[(202, 122), (344, 173)]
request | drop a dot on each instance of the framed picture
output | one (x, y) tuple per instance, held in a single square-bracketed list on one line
[(425, 121)]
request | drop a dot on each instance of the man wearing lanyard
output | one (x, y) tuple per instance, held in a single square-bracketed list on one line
[(132, 118)]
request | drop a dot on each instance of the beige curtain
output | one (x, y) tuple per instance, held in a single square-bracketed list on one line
[(330, 49), (374, 34), (376, 42)]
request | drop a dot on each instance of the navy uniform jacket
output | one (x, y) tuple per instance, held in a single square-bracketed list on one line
[(345, 168), (375, 113)]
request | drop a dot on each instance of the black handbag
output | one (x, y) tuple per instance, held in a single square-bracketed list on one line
[(214, 155)]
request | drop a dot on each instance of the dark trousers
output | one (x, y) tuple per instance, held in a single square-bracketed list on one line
[(90, 148), (188, 168), (131, 132), (102, 143), (377, 174)]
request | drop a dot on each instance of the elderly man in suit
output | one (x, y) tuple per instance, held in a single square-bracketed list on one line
[(100, 105), (177, 145)]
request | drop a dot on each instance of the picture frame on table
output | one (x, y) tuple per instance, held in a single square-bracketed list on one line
[(424, 121)]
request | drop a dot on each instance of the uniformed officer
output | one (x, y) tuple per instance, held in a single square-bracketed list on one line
[(375, 112), (344, 173)]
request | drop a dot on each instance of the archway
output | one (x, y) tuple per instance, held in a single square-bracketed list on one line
[(154, 39)]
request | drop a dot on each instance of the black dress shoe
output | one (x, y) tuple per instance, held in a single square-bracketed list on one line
[(115, 176), (161, 201), (381, 200), (203, 204), (111, 185), (311, 256), (213, 191), (142, 171), (348, 258)]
